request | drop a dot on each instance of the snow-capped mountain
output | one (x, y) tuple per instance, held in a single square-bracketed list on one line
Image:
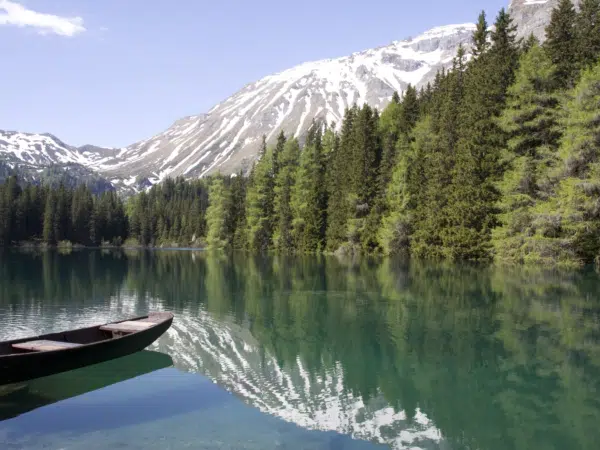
[(46, 149), (228, 354), (227, 138), (35, 156)]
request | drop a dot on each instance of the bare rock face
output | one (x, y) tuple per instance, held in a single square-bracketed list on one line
[(532, 16)]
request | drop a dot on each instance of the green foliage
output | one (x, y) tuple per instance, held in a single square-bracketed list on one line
[(497, 157), (587, 26), (309, 196), (52, 215), (531, 123), (480, 36), (259, 201), (172, 212), (561, 43), (216, 215), (285, 181)]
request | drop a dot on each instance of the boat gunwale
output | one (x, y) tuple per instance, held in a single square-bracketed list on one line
[(168, 316)]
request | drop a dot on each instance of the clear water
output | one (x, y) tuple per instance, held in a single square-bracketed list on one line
[(308, 353)]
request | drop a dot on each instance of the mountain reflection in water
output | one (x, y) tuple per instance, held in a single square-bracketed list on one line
[(408, 355)]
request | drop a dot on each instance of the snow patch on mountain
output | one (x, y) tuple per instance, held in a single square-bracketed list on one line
[(227, 138), (228, 354)]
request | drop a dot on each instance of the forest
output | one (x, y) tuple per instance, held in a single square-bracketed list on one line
[(498, 159)]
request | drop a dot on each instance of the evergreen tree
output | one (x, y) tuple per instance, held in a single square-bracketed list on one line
[(339, 183), (259, 204), (309, 196), (531, 123), (217, 236), (236, 225), (284, 186), (435, 205), (480, 36), (49, 219), (566, 226), (402, 193), (587, 26), (279, 146), (471, 209), (561, 43)]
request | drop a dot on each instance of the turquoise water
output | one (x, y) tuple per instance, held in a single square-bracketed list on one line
[(315, 353)]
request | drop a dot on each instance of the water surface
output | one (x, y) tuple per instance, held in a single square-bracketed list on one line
[(308, 352)]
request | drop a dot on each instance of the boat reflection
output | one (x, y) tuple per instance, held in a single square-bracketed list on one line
[(25, 397)]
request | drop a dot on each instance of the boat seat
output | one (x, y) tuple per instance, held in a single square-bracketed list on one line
[(44, 345), (129, 326)]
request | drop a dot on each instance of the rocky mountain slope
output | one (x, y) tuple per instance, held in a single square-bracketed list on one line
[(532, 16), (227, 138)]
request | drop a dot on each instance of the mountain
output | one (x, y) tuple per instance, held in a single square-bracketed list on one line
[(227, 138), (45, 158), (232, 357), (532, 16)]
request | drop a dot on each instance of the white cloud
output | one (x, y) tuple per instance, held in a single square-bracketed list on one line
[(12, 13)]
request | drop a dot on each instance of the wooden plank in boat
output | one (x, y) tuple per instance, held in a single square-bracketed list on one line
[(127, 327), (44, 345)]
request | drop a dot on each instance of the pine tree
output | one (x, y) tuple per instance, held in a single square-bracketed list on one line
[(279, 146), (259, 204), (284, 186), (471, 209), (587, 26), (363, 175), (309, 195), (396, 229), (561, 43), (339, 185), (217, 236), (435, 206), (49, 219), (236, 224), (529, 43), (530, 121), (480, 36)]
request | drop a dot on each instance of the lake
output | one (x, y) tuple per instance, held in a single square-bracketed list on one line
[(308, 353)]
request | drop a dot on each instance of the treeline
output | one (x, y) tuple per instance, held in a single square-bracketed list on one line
[(53, 215), (497, 158)]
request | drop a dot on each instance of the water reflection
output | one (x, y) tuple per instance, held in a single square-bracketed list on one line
[(409, 355), (24, 397)]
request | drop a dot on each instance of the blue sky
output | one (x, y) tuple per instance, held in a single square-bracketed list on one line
[(113, 72)]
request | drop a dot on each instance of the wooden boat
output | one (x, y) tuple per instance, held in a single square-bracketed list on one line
[(30, 395), (49, 354)]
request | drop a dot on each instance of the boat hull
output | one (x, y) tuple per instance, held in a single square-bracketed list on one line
[(29, 366)]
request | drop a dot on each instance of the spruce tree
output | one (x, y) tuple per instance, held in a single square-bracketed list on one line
[(587, 26), (49, 219), (339, 183), (259, 204), (309, 196), (284, 186), (471, 209), (561, 43), (480, 36)]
